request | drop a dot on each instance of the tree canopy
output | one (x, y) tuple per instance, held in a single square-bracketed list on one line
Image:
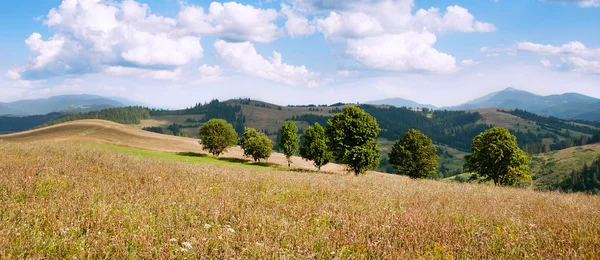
[(256, 145), (496, 156), (352, 139), (216, 136), (314, 146), (414, 155), (289, 140)]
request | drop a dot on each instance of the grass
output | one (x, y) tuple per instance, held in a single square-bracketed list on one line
[(61, 200), (189, 157), (549, 169)]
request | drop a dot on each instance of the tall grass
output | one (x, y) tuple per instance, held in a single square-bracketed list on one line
[(77, 201)]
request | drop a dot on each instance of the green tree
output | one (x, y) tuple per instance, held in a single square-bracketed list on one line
[(289, 140), (351, 138), (415, 155), (314, 147), (216, 136), (256, 145), (496, 156)]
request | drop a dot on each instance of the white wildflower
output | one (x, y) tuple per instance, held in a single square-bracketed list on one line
[(231, 230), (187, 245), (173, 240), (207, 226)]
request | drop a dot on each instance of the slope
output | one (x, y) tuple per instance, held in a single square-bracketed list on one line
[(57, 104), (106, 132), (549, 169)]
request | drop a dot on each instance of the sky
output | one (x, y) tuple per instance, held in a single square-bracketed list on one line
[(173, 54)]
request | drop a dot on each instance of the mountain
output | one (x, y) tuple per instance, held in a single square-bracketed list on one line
[(74, 103), (566, 106), (400, 102)]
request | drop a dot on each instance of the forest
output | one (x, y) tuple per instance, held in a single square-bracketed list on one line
[(10, 124), (122, 115), (585, 180), (453, 128)]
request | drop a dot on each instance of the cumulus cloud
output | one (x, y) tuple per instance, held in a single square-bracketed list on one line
[(210, 73), (378, 33), (581, 65), (144, 73), (96, 36), (296, 24), (243, 57), (467, 63), (581, 3), (571, 48), (575, 56), (239, 22), (401, 52)]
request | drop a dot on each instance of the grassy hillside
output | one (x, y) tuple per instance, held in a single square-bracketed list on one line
[(106, 132), (62, 200), (550, 168)]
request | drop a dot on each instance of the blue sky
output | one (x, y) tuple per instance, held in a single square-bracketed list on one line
[(171, 53)]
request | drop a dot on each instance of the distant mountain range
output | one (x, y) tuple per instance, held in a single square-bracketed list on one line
[(68, 103), (566, 106), (400, 102)]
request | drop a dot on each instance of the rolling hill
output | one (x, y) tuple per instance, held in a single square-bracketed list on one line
[(400, 102), (119, 202), (72, 103), (566, 106), (551, 168), (107, 132)]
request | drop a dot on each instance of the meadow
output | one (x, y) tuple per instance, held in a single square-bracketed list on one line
[(73, 200)]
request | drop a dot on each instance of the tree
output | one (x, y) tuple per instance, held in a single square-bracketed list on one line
[(256, 145), (314, 147), (288, 140), (216, 136), (414, 155), (496, 156), (351, 138)]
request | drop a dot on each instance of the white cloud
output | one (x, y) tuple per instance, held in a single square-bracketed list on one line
[(456, 18), (243, 57), (581, 3), (296, 24), (91, 35), (144, 73), (581, 65), (490, 55), (239, 22), (210, 73), (401, 52), (386, 35), (469, 63), (546, 63), (346, 73), (571, 48)]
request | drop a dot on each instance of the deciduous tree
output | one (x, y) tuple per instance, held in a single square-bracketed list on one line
[(256, 145), (314, 147), (414, 155), (216, 136), (496, 156), (289, 140), (352, 139)]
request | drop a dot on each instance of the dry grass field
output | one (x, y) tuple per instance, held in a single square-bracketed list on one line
[(65, 200)]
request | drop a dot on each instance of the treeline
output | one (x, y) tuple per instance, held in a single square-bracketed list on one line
[(212, 110), (551, 122), (122, 115), (453, 128), (311, 119), (585, 180), (10, 124)]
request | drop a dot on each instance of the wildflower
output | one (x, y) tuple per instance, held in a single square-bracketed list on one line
[(187, 245), (207, 226), (231, 230), (173, 240)]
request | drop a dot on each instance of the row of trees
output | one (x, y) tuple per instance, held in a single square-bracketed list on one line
[(350, 138)]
